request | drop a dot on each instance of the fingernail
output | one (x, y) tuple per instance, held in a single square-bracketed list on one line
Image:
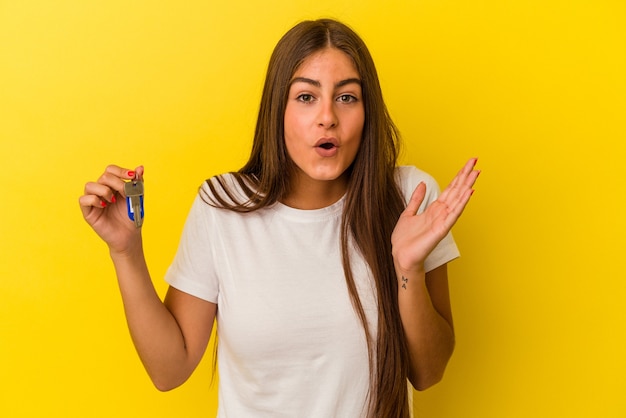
[(103, 203), (113, 199), (130, 173)]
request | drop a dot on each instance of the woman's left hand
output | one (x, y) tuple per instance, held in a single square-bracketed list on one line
[(416, 235)]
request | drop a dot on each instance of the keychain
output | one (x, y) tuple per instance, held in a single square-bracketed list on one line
[(134, 201)]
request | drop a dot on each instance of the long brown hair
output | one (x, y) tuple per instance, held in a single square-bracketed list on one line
[(373, 201)]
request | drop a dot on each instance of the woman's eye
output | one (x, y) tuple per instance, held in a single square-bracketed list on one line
[(346, 98), (306, 98)]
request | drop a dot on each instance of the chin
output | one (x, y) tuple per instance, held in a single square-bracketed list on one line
[(330, 176)]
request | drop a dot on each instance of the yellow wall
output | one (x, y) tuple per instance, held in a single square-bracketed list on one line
[(535, 88)]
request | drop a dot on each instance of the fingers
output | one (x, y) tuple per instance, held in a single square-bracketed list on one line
[(468, 173), (464, 173), (124, 173), (456, 210), (463, 181), (88, 202), (100, 193), (114, 177), (459, 192), (416, 199), (139, 172)]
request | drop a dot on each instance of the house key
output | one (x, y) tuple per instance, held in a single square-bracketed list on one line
[(134, 201)]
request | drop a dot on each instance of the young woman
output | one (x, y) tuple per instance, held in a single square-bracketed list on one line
[(322, 262)]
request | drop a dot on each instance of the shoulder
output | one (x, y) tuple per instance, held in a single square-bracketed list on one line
[(408, 177), (228, 190), (219, 197)]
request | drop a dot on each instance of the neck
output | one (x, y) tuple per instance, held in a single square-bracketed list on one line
[(309, 194)]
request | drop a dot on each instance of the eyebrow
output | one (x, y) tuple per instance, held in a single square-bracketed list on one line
[(318, 84)]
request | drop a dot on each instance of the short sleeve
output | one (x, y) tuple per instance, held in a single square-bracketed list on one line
[(192, 270), (408, 178)]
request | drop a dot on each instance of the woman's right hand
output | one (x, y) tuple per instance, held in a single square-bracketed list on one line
[(103, 205)]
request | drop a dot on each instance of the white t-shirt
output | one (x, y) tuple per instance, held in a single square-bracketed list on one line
[(290, 342)]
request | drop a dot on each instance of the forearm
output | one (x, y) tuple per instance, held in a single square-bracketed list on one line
[(429, 336), (155, 333)]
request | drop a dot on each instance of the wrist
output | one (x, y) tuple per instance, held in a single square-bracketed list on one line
[(409, 269), (133, 250), (410, 278)]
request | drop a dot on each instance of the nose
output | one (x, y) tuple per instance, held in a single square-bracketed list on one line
[(327, 116)]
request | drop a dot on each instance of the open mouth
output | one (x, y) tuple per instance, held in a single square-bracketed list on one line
[(327, 147)]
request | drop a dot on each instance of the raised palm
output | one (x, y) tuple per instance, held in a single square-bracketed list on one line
[(416, 235)]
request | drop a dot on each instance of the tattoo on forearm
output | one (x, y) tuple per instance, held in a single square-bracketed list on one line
[(404, 282)]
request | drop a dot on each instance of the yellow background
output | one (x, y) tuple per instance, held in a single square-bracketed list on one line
[(536, 89)]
